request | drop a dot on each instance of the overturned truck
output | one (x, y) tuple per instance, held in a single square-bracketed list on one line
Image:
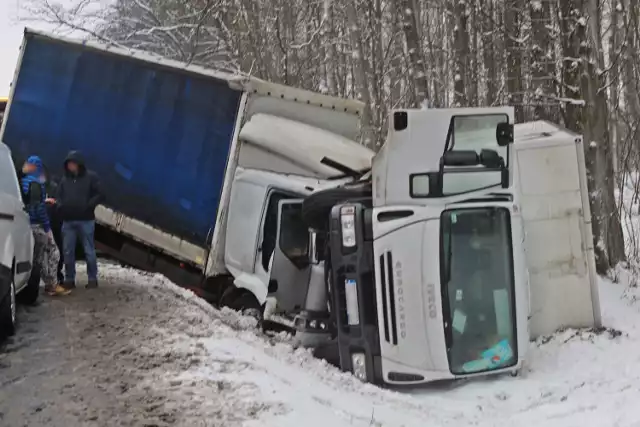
[(470, 237)]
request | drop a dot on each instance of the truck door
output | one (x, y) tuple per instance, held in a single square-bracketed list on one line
[(290, 268)]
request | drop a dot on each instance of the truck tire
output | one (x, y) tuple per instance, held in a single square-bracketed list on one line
[(29, 295), (317, 207), (8, 312), (242, 301)]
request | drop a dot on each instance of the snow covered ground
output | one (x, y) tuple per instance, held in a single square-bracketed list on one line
[(587, 378)]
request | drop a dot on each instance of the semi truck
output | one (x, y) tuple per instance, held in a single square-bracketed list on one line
[(470, 242), (201, 170)]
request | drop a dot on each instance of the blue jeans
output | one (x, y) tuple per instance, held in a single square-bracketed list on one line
[(71, 232)]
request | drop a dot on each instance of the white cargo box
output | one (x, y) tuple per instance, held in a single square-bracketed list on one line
[(551, 178)]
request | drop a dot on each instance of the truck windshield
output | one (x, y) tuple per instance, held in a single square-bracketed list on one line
[(478, 289)]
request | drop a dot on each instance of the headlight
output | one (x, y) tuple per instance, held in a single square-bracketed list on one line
[(348, 221), (359, 364), (351, 297)]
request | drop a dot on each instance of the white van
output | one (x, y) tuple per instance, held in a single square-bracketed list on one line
[(16, 247)]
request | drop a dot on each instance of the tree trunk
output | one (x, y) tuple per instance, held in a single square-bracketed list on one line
[(588, 116), (415, 54), (541, 57), (489, 52), (460, 12), (514, 57), (360, 73)]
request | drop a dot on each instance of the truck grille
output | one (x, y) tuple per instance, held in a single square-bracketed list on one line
[(388, 298)]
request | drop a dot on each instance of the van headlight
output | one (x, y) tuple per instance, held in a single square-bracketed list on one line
[(348, 222), (359, 364)]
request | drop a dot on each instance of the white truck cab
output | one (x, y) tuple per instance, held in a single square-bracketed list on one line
[(435, 278), (266, 242)]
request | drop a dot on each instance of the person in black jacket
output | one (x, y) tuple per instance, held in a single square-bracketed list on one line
[(56, 226), (79, 193)]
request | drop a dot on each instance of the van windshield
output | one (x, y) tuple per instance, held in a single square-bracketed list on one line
[(477, 280)]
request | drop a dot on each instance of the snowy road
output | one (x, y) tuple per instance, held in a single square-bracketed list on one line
[(102, 357), (140, 352)]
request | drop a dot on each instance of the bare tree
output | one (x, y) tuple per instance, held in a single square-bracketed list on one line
[(547, 58)]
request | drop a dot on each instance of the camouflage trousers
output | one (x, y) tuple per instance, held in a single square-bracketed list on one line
[(45, 256)]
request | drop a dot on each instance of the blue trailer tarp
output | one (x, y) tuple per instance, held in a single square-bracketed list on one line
[(158, 138)]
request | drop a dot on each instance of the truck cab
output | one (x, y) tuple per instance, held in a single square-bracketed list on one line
[(266, 241), (431, 280)]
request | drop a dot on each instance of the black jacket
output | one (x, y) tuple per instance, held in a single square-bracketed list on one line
[(78, 195)]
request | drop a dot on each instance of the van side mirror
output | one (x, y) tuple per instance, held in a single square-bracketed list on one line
[(504, 134)]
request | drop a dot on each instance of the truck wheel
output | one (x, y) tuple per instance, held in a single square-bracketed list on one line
[(8, 312), (317, 207), (248, 305), (229, 296), (241, 301), (29, 295)]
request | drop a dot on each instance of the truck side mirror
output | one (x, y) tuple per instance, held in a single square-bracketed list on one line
[(504, 134), (460, 158), (491, 159)]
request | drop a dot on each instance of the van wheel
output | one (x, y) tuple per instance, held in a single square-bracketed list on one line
[(317, 207), (29, 295), (8, 312)]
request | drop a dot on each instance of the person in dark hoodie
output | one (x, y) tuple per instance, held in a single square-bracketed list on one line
[(46, 254), (79, 193)]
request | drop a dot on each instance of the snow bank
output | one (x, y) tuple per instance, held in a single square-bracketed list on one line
[(586, 378)]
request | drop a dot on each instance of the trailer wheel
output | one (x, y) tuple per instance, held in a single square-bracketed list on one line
[(317, 207)]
